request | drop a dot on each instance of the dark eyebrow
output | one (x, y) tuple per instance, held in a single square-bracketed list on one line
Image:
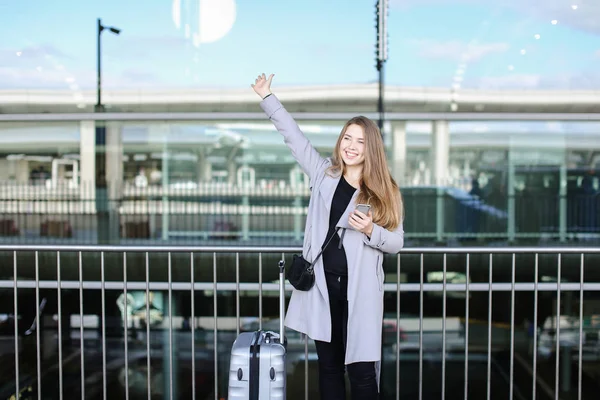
[(350, 136)]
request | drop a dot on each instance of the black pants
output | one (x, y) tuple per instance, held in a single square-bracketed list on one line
[(362, 375)]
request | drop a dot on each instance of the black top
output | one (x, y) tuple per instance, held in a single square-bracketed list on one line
[(334, 256)]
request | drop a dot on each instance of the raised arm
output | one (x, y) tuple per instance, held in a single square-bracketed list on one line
[(305, 154)]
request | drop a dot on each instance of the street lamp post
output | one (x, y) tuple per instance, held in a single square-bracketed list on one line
[(381, 52), (101, 189), (101, 28)]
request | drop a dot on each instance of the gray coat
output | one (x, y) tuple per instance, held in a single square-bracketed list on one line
[(308, 311)]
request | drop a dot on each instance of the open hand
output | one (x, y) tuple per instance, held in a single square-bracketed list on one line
[(262, 85), (361, 222)]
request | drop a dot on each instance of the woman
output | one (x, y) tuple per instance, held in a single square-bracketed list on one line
[(343, 311)]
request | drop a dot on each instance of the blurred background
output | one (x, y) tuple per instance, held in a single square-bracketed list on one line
[(134, 123)]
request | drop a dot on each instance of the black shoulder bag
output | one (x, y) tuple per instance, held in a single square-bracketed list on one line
[(301, 273)]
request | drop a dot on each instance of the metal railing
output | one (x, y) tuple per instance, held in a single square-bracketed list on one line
[(508, 321), (234, 214)]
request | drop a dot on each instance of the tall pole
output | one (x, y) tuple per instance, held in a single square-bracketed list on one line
[(381, 53), (101, 188), (101, 195), (99, 68)]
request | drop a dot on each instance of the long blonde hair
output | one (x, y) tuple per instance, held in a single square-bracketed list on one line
[(377, 187)]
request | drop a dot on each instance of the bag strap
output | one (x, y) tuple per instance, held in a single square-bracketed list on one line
[(324, 247)]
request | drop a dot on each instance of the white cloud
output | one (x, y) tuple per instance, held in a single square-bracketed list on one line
[(31, 56), (32, 52), (137, 47), (575, 81), (22, 78), (30, 78), (586, 17), (133, 78), (458, 51), (514, 81)]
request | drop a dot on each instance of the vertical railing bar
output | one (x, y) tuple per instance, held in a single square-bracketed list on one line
[(512, 328), (468, 280), (556, 370), (215, 340), (237, 294), (489, 349), (444, 329), (126, 327), (535, 324), (148, 360), (16, 324), (260, 292), (306, 381), (398, 327), (38, 320), (103, 298), (193, 326), (305, 366), (60, 323), (421, 329), (81, 332), (282, 302), (170, 294), (579, 372)]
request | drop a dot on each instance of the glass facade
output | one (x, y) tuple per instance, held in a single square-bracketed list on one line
[(205, 182)]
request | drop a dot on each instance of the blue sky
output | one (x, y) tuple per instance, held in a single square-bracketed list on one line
[(433, 43)]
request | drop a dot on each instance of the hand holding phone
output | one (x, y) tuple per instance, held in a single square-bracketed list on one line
[(362, 224), (363, 208)]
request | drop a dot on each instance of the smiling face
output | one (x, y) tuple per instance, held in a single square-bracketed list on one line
[(352, 146)]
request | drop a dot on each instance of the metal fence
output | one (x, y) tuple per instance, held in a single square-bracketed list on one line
[(133, 322), (233, 214)]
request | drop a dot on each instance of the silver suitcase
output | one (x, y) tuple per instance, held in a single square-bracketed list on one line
[(257, 368)]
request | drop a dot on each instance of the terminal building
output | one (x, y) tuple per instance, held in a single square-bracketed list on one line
[(207, 164)]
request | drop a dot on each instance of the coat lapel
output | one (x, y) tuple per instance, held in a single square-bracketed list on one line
[(327, 190), (343, 222)]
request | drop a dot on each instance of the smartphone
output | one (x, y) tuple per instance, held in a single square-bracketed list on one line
[(363, 208)]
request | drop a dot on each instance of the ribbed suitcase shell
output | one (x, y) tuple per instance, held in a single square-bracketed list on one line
[(257, 369)]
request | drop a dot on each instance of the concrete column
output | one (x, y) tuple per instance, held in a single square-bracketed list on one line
[(440, 152), (114, 161), (511, 206), (207, 174), (87, 158), (165, 188), (231, 165), (22, 171), (231, 172), (160, 132), (399, 151), (562, 202), (114, 174), (439, 165), (203, 168)]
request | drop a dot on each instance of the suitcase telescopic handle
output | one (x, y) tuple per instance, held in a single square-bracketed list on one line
[(281, 300)]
